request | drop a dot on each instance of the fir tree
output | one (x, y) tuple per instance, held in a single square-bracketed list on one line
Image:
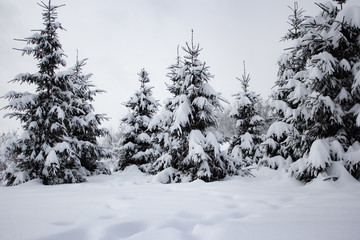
[(189, 143), (52, 147), (136, 145), (244, 146)]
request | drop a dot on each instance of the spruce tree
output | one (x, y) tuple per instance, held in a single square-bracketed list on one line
[(83, 123), (136, 145), (52, 146), (284, 135), (244, 146), (191, 146), (333, 50), (321, 105)]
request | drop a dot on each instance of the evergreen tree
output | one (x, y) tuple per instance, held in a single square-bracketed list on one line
[(8, 155), (333, 53), (83, 123), (52, 146), (190, 145), (136, 145), (321, 105), (244, 146), (283, 137)]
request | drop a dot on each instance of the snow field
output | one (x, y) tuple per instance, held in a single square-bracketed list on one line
[(131, 205)]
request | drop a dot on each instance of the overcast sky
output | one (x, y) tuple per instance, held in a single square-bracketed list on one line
[(122, 36)]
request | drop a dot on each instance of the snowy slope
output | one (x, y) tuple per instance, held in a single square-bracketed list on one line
[(130, 205)]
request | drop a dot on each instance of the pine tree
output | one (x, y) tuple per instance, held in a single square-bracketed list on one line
[(136, 145), (190, 145), (244, 146), (321, 105), (52, 147)]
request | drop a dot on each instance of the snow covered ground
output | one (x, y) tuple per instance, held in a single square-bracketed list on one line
[(131, 205)]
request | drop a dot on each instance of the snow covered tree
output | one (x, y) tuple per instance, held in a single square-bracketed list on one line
[(8, 155), (191, 146), (111, 144), (274, 148), (83, 123), (283, 138), (331, 76), (322, 103), (55, 118), (136, 145), (244, 146)]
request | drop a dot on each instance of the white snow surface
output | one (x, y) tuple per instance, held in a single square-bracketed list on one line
[(130, 205)]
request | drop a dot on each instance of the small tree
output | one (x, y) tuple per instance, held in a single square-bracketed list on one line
[(8, 155), (244, 146), (136, 145)]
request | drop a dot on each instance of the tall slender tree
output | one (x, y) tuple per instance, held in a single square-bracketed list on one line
[(244, 146)]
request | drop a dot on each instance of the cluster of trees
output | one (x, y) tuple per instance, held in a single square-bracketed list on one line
[(314, 120)]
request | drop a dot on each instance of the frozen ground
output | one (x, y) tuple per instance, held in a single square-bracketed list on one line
[(130, 205)]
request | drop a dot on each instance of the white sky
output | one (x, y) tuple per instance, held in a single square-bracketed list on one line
[(122, 36)]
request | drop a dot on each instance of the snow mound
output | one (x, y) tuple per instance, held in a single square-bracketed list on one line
[(166, 176), (343, 177)]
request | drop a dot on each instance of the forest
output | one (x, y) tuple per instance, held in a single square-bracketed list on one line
[(310, 128)]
